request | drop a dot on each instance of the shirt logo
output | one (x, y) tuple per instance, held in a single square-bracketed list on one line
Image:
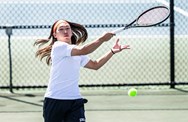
[(82, 119)]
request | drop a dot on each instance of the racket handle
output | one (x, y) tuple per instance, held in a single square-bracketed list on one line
[(118, 30)]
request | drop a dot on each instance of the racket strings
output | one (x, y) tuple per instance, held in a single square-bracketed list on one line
[(153, 16)]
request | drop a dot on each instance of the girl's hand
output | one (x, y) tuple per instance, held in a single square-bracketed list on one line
[(118, 48)]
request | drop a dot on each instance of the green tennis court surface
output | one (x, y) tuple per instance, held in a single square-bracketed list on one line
[(163, 105)]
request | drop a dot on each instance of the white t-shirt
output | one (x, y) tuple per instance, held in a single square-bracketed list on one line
[(64, 74)]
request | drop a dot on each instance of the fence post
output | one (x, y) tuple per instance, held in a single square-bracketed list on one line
[(172, 52), (8, 32)]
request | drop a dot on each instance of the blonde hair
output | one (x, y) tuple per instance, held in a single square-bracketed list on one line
[(79, 36)]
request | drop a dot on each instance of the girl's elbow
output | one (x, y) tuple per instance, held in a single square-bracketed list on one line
[(96, 68), (94, 65)]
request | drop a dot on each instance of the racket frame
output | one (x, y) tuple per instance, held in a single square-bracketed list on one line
[(132, 25)]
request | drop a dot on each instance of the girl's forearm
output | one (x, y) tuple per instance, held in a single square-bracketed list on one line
[(103, 60), (92, 46)]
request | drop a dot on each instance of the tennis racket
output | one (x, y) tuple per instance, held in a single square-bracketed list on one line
[(148, 18)]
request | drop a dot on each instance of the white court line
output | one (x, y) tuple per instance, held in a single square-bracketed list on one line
[(179, 10)]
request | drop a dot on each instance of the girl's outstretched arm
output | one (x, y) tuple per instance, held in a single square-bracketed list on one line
[(90, 47), (105, 58)]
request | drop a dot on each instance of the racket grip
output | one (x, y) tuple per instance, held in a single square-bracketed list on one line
[(118, 30)]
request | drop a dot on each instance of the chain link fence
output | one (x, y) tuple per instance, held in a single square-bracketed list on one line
[(148, 62)]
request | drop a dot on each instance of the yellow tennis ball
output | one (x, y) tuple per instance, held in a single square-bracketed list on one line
[(132, 92)]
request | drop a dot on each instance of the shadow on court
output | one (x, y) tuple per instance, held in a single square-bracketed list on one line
[(169, 105)]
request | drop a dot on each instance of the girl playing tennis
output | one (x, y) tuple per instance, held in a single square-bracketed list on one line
[(63, 101)]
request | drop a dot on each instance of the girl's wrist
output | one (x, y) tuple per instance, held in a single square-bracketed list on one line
[(112, 52)]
